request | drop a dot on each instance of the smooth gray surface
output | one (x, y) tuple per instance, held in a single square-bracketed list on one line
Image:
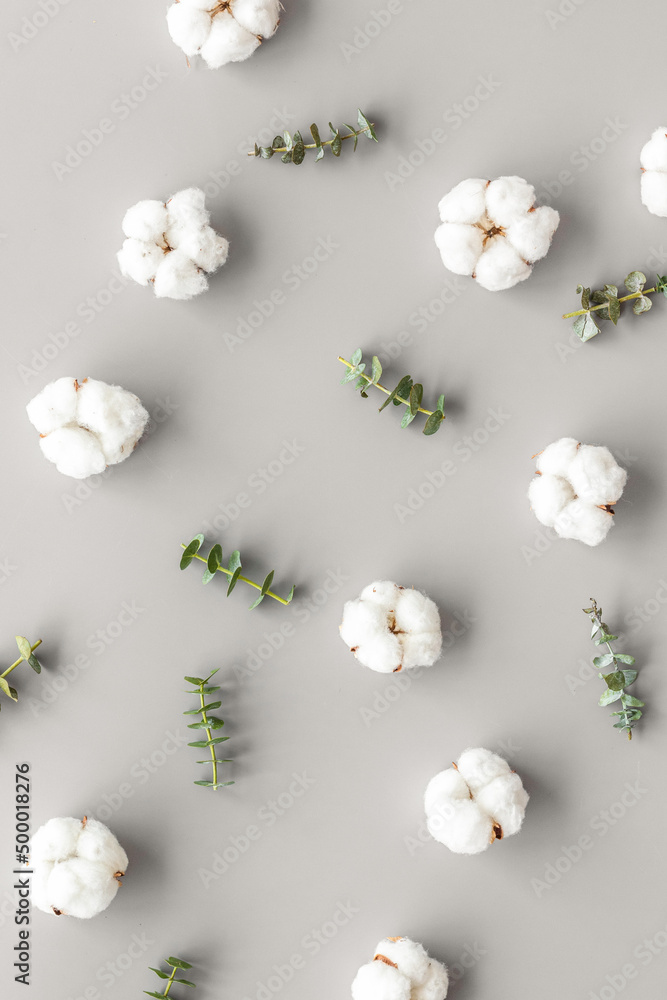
[(331, 512)]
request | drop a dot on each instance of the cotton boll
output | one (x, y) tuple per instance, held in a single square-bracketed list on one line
[(362, 621), (421, 650), (146, 221), (478, 767), (654, 154), (206, 248), (74, 451), (435, 985), (383, 654), (188, 207), (501, 267), (178, 277), (654, 192), (260, 17), (80, 888), (97, 843), (556, 458), (505, 799), (54, 406), (583, 522), (531, 234), (460, 246), (39, 886), (461, 826), (114, 415), (139, 260), (56, 840), (415, 612), (447, 784), (227, 42), (188, 26), (465, 203), (382, 592), (508, 198), (207, 5), (596, 476), (410, 957), (379, 981), (548, 496)]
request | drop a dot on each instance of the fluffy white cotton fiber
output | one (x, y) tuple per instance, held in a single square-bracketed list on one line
[(492, 231), (401, 970), (85, 426), (389, 628), (172, 246), (476, 801), (653, 159), (222, 32), (575, 488), (77, 867)]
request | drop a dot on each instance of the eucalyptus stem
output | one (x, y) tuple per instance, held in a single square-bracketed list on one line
[(387, 392), (170, 982), (618, 677), (293, 149), (315, 145), (251, 583), (233, 571), (603, 305), (21, 659), (209, 734), (207, 725)]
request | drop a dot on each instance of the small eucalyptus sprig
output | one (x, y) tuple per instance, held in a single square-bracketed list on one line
[(606, 304), (619, 678), (208, 723), (293, 148), (26, 650), (406, 392), (232, 570), (176, 964)]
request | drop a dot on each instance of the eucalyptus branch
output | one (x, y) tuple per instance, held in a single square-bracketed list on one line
[(293, 148), (406, 393), (26, 650), (208, 723), (606, 304), (176, 964), (618, 679), (232, 570)]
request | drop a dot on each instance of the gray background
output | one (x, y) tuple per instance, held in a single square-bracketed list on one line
[(73, 558)]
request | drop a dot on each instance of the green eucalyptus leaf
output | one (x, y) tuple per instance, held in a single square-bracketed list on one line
[(320, 154), (629, 699), (194, 680), (257, 602), (287, 139), (34, 663), (336, 145), (365, 124), (186, 982), (178, 963), (376, 369), (214, 723), (585, 327), (608, 697), (297, 137), (585, 296), (630, 677), (433, 422), (191, 550), (291, 593), (299, 153), (266, 152), (403, 385), (603, 661), (152, 993), (614, 309), (641, 305), (24, 646), (6, 689), (625, 658), (408, 417), (268, 580), (162, 975), (635, 281), (440, 405), (416, 395), (315, 132), (287, 156), (615, 681), (214, 559), (277, 142), (356, 357)]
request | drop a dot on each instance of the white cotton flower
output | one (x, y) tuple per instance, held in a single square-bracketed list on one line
[(86, 426), (653, 160), (389, 628), (401, 970), (476, 801), (172, 246), (492, 231), (575, 489), (222, 32), (78, 865)]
